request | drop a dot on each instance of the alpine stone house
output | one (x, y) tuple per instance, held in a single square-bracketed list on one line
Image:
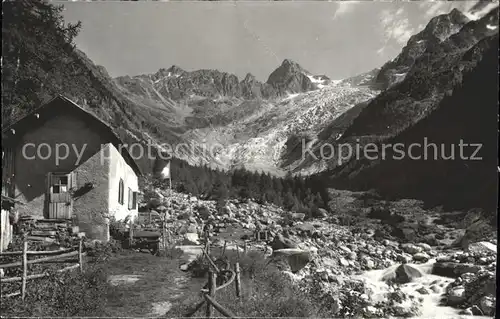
[(63, 162)]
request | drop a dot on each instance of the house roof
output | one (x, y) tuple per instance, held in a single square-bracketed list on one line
[(53, 107)]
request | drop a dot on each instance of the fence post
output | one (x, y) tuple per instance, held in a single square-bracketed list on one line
[(80, 255), (212, 281), (131, 234), (25, 268), (224, 249), (237, 279)]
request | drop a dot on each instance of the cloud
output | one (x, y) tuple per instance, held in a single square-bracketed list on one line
[(396, 25), (344, 8), (434, 8)]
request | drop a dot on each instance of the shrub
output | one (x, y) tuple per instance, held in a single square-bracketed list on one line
[(61, 295), (101, 251), (266, 292)]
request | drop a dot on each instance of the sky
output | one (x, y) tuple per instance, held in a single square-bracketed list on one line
[(337, 39)]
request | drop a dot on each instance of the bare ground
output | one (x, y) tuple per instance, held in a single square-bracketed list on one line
[(145, 285)]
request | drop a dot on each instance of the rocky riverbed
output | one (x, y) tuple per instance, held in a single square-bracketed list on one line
[(367, 256)]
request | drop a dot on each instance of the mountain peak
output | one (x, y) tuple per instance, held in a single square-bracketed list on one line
[(291, 77), (175, 69), (290, 64), (249, 78), (458, 16), (442, 26)]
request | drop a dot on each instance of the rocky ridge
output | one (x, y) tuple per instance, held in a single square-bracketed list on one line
[(437, 30)]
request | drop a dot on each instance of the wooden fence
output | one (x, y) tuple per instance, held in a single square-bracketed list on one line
[(6, 230), (209, 294), (57, 256)]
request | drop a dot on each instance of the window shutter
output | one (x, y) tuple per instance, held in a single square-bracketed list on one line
[(49, 182), (73, 183), (134, 200), (130, 197), (120, 192)]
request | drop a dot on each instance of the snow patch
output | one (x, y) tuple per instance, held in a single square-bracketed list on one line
[(291, 96), (491, 27), (319, 83)]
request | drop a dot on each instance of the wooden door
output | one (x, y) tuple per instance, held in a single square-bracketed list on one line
[(60, 202)]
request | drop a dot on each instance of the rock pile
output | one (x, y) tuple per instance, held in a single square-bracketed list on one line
[(474, 288), (338, 254)]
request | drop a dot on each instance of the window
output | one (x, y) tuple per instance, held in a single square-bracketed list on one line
[(121, 190), (59, 184)]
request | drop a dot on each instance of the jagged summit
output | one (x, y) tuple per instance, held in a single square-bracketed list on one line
[(442, 26), (175, 69), (290, 63), (249, 78), (290, 77)]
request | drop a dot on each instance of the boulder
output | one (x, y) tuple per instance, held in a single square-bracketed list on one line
[(411, 249), (296, 258), (475, 310), (425, 247), (487, 305), (456, 295), (368, 262), (404, 258), (482, 247), (343, 262), (280, 242), (184, 216), (298, 216), (422, 291), (321, 213), (421, 257), (453, 269), (161, 208), (402, 274), (191, 239), (370, 312)]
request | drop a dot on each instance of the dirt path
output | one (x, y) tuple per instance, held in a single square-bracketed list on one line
[(146, 286)]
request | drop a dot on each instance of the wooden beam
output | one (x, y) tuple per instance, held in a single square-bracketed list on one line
[(35, 261), (36, 253), (14, 279), (25, 269), (210, 260), (219, 308), (195, 309), (80, 254), (237, 279), (212, 286)]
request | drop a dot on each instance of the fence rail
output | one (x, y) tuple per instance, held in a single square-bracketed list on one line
[(57, 256), (209, 295)]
